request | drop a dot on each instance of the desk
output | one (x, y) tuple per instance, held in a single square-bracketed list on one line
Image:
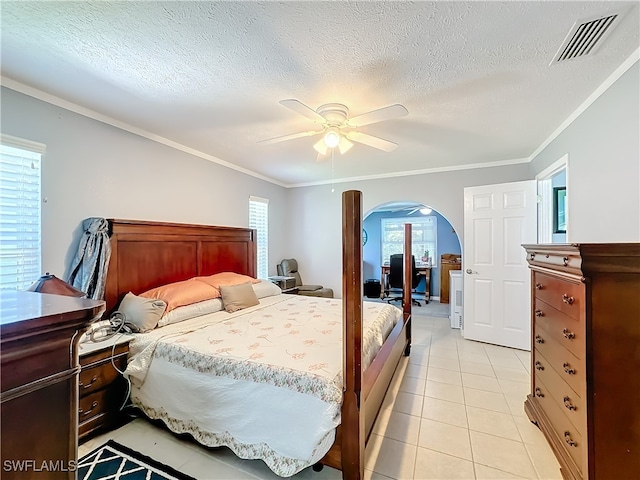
[(424, 270)]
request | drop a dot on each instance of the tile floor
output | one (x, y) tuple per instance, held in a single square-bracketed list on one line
[(454, 410)]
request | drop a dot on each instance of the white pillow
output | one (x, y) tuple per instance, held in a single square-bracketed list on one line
[(190, 311), (266, 289)]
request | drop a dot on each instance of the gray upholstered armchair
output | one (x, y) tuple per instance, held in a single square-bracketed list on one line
[(289, 268)]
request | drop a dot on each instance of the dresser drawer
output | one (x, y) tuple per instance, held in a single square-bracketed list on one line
[(96, 411), (570, 368), (572, 404), (99, 376), (567, 331), (570, 438), (563, 295), (92, 405)]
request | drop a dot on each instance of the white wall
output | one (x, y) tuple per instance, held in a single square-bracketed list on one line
[(92, 169), (316, 212), (603, 184)]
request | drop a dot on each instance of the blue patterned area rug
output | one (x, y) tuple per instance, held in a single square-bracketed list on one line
[(116, 462)]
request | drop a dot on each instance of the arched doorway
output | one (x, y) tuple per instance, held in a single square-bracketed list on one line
[(439, 238)]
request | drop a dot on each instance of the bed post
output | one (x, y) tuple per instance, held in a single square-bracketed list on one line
[(353, 434), (408, 274)]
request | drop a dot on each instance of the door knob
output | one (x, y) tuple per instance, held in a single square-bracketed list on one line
[(470, 272)]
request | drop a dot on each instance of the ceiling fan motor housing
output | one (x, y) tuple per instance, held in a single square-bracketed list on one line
[(336, 114)]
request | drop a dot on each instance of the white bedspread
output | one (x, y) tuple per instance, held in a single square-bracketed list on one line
[(265, 381)]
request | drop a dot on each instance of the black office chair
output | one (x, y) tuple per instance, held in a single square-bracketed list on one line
[(396, 276)]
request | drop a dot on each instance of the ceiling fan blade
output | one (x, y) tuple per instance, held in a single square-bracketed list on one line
[(303, 110), (380, 115), (375, 142), (290, 137)]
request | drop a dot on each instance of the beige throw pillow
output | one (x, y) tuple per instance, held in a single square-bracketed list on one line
[(142, 313), (237, 297)]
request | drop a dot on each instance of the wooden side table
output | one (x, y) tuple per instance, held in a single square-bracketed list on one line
[(102, 389)]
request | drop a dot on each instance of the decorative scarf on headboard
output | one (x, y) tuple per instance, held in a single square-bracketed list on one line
[(89, 267)]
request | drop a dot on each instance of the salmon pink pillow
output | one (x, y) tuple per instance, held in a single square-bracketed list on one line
[(183, 293), (227, 279)]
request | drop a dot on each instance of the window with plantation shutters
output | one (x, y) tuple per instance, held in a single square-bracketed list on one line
[(259, 219), (20, 251)]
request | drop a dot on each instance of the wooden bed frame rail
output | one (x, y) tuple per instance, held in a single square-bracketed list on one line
[(145, 255)]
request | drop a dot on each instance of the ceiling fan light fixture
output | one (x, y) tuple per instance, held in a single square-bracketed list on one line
[(344, 146), (321, 147), (332, 138)]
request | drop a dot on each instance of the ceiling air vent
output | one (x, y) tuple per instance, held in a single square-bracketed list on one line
[(586, 36)]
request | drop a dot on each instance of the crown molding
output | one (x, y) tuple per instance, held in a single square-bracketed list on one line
[(468, 166), (80, 110)]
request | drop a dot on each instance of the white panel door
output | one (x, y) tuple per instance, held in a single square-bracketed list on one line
[(498, 219)]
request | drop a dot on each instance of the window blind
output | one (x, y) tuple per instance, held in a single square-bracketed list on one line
[(20, 220), (424, 231), (259, 219)]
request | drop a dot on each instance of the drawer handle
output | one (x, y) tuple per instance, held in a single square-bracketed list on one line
[(93, 406), (565, 261), (532, 256), (569, 440), (567, 369), (93, 380), (539, 393), (567, 334), (539, 313), (539, 366), (539, 339), (567, 299), (568, 404), (539, 286)]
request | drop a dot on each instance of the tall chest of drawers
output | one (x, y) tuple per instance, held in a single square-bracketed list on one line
[(585, 392)]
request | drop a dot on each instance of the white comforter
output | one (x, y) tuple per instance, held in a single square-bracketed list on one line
[(265, 381)]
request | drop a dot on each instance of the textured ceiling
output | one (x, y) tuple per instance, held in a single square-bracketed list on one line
[(474, 76)]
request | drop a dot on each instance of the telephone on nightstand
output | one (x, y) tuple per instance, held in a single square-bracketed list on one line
[(104, 329)]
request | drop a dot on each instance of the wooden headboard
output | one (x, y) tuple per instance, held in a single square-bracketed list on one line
[(145, 255)]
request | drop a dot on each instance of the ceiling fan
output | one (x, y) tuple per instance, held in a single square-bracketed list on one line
[(337, 129)]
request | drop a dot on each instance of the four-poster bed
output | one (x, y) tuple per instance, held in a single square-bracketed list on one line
[(146, 255)]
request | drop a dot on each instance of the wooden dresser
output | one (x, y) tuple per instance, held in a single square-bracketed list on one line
[(586, 356), (102, 388), (39, 366)]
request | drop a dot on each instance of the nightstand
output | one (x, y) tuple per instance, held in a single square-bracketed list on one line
[(102, 389)]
